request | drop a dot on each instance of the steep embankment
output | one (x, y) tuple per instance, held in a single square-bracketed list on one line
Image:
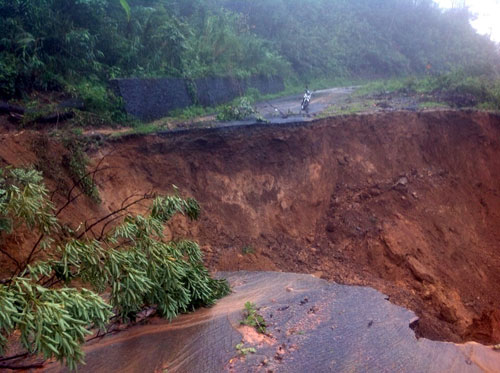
[(404, 202)]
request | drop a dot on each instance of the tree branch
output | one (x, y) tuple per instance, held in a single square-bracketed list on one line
[(32, 252), (96, 169), (103, 230), (123, 208), (69, 201), (16, 262), (18, 356), (23, 367)]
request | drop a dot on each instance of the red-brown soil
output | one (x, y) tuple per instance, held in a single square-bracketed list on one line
[(405, 202)]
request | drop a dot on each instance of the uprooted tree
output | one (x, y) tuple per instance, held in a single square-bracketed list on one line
[(50, 306)]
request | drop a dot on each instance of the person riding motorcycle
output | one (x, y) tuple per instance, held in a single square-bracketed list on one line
[(306, 99)]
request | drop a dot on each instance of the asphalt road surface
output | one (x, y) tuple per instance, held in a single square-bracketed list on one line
[(289, 108)]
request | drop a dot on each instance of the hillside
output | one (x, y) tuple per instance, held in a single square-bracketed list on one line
[(135, 195), (404, 202), (75, 47)]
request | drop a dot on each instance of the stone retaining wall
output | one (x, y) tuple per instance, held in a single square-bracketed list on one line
[(150, 99)]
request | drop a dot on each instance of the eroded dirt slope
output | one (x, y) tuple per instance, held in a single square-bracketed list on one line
[(405, 202)]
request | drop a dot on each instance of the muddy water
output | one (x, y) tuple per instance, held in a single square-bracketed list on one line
[(313, 326)]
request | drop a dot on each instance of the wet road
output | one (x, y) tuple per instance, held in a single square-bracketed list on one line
[(312, 326), (277, 111), (288, 109)]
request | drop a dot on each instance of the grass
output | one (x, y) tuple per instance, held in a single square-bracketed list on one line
[(381, 87), (348, 108), (247, 250), (488, 106), (443, 90), (432, 105), (145, 129), (191, 112)]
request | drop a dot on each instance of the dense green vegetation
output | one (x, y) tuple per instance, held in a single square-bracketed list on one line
[(76, 46), (368, 38), (51, 300), (56, 44), (456, 88)]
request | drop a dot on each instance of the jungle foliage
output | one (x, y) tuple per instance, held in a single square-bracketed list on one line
[(62, 44), (368, 38), (77, 45), (51, 301)]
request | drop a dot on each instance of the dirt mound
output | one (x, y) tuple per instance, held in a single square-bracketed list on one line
[(405, 202)]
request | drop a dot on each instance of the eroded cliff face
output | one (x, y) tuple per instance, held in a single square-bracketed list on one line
[(404, 202)]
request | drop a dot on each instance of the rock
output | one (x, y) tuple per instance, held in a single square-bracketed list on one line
[(448, 314), (420, 272), (402, 181)]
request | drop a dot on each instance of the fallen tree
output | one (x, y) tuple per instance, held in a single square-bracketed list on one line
[(131, 262)]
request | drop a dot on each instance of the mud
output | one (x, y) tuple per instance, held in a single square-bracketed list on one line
[(404, 202), (312, 326)]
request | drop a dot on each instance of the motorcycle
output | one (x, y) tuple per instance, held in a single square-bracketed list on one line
[(305, 101)]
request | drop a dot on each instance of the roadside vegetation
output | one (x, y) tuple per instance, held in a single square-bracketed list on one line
[(73, 48), (454, 89), (66, 284)]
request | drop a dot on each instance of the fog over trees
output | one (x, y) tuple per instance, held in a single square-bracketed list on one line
[(56, 44)]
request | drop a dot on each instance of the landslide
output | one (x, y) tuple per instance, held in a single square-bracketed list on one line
[(405, 202)]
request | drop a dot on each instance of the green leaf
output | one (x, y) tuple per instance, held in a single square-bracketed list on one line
[(126, 7), (133, 260)]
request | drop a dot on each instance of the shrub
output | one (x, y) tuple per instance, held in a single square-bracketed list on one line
[(100, 100), (253, 319), (244, 351), (457, 88), (76, 162), (240, 109), (8, 76)]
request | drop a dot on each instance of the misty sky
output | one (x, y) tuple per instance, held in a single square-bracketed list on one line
[(488, 15)]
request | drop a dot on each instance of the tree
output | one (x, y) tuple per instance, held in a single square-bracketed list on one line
[(132, 261)]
